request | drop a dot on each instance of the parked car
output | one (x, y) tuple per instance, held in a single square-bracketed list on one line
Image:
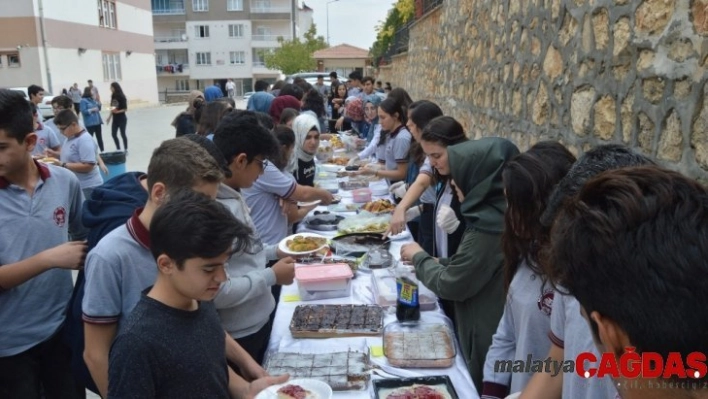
[(45, 108), (248, 95), (310, 77)]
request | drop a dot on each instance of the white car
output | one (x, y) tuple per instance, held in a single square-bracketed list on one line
[(248, 95), (45, 108)]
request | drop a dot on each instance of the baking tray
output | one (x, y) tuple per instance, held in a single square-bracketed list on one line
[(422, 345), (329, 222), (335, 321), (343, 371), (382, 388), (358, 243)]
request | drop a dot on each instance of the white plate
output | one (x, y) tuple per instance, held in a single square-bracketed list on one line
[(330, 167), (309, 203), (282, 245), (319, 389)]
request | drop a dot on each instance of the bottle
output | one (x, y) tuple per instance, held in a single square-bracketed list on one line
[(407, 305)]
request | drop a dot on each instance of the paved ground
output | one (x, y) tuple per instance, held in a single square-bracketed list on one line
[(147, 128)]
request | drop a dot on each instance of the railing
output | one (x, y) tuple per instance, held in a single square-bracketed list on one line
[(170, 39), (168, 11), (426, 6), (260, 64), (269, 38), (398, 45), (175, 68), (270, 10)]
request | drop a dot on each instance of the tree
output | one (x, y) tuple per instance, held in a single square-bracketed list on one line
[(295, 55), (402, 12)]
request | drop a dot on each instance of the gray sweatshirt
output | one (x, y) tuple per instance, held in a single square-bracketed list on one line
[(522, 331), (245, 301)]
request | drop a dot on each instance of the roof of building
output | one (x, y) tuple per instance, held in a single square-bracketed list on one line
[(342, 51)]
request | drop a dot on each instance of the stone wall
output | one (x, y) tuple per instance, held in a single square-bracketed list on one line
[(584, 72)]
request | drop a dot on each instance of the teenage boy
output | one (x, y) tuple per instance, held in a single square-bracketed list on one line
[(39, 206), (79, 152), (355, 84), (47, 139), (191, 238), (245, 301), (633, 243), (569, 335), (59, 103), (120, 267), (261, 100), (94, 91), (368, 85)]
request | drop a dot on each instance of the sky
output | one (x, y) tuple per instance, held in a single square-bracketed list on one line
[(350, 21)]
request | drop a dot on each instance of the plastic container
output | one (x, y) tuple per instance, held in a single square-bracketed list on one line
[(384, 282), (330, 185), (361, 195), (422, 345), (324, 281), (115, 163)]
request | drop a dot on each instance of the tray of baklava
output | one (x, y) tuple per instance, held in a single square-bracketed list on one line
[(341, 370), (421, 345), (329, 321)]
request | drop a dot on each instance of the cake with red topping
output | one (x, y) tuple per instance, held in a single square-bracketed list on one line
[(294, 392), (417, 392)]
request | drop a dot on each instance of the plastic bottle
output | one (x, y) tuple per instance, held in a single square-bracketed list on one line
[(407, 304)]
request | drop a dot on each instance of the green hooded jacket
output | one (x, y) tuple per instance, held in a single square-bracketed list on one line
[(473, 278)]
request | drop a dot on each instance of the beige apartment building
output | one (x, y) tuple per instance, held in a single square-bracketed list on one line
[(202, 42), (56, 43)]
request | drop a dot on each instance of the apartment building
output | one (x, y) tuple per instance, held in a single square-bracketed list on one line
[(58, 43), (202, 42)]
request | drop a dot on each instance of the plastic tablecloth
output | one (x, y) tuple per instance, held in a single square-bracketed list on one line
[(361, 293)]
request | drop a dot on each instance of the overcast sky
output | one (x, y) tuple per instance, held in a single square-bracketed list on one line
[(350, 21)]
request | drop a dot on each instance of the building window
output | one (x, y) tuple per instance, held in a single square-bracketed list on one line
[(201, 31), (236, 30), (107, 14), (200, 5), (203, 58), (13, 60), (111, 67), (182, 85), (234, 5), (237, 57)]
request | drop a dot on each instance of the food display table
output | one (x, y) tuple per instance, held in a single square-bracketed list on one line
[(361, 294)]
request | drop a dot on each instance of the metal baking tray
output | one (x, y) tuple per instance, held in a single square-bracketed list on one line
[(382, 388), (422, 345)]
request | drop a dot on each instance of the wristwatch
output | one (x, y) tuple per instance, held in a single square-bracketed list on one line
[(63, 164)]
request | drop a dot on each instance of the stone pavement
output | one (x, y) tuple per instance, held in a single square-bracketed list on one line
[(147, 128)]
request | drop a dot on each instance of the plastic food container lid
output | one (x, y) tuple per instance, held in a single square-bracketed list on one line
[(323, 273)]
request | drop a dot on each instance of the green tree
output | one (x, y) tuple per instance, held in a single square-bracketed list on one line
[(401, 13), (295, 55)]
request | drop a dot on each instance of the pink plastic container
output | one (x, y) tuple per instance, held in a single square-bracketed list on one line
[(361, 195), (323, 281)]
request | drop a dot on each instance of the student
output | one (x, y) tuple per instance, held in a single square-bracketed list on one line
[(307, 140), (36, 97), (245, 300), (94, 91), (281, 103), (117, 269), (47, 140), (79, 152), (472, 278), (191, 237), (213, 93), (288, 116), (119, 107), (633, 248), (260, 100), (40, 206), (75, 95), (230, 88), (569, 334), (59, 103), (355, 86), (394, 143), (91, 113), (523, 330), (186, 122)]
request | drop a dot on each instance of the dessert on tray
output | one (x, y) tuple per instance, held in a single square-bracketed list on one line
[(326, 321), (426, 345), (343, 371)]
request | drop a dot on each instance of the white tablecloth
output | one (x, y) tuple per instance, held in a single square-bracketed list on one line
[(282, 341)]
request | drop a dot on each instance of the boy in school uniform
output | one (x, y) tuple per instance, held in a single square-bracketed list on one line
[(39, 206), (172, 344)]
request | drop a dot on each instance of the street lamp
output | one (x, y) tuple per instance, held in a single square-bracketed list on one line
[(327, 7)]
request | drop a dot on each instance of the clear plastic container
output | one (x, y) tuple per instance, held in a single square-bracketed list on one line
[(420, 345), (361, 195), (324, 281)]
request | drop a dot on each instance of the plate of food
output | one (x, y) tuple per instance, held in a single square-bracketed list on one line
[(379, 206), (433, 387), (310, 203), (50, 160), (303, 388), (302, 244), (339, 161)]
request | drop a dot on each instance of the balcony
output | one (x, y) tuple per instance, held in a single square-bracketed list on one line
[(268, 38), (270, 10), (167, 7), (172, 70), (171, 42), (168, 11)]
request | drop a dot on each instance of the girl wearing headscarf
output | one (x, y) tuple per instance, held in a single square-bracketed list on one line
[(280, 103), (473, 278), (307, 139), (371, 108), (185, 123)]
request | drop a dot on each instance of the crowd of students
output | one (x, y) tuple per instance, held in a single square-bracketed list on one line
[(534, 255)]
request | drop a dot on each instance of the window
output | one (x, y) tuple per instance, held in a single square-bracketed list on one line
[(234, 5), (1, 58), (200, 5), (107, 14), (182, 85), (203, 58), (201, 31), (13, 60), (237, 57), (236, 30), (111, 67)]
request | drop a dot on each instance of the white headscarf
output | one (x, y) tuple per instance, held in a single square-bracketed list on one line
[(302, 125)]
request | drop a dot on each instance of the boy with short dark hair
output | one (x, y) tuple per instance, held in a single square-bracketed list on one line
[(39, 206), (79, 152), (191, 237), (633, 245)]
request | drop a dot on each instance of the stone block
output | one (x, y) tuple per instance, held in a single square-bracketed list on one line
[(621, 35), (568, 30), (541, 106), (627, 115), (671, 139), (646, 60), (553, 63), (699, 131), (605, 118), (580, 105), (645, 135), (653, 89), (587, 34), (682, 88), (601, 27), (652, 16), (681, 49), (700, 16)]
